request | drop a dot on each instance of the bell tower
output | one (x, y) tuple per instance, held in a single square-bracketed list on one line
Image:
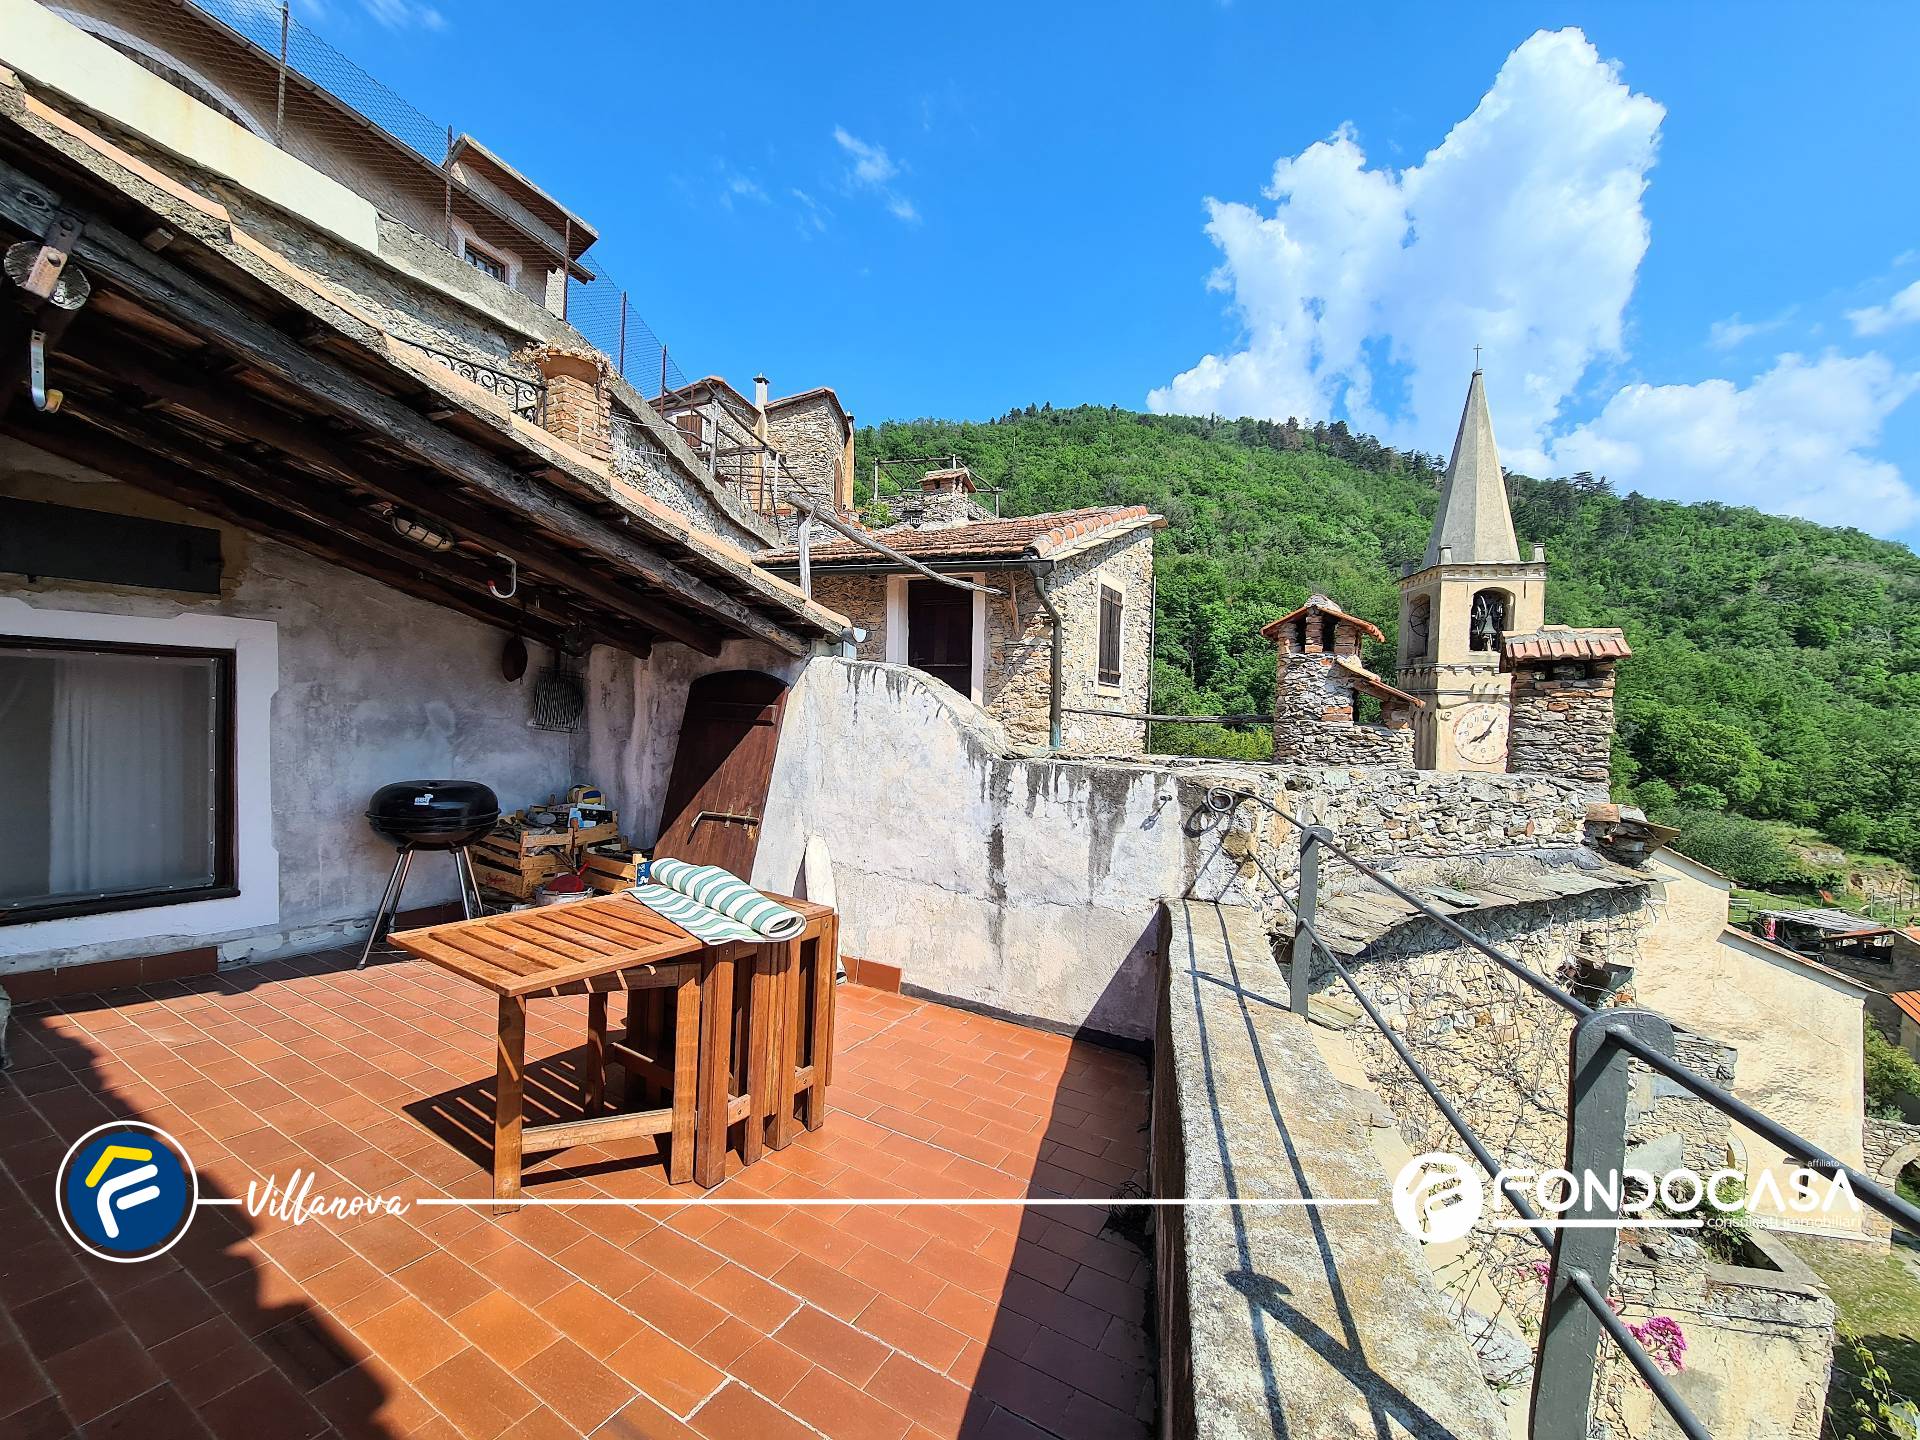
[(1471, 588)]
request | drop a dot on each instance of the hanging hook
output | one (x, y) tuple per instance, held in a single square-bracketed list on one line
[(513, 580), (43, 398)]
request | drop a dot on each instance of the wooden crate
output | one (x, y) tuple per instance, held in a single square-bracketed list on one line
[(534, 864), (524, 842), (609, 874), (506, 882)]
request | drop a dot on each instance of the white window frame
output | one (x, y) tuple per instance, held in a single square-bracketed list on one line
[(256, 675), (897, 630)]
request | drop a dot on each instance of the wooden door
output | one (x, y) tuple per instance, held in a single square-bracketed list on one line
[(717, 796), (940, 632)]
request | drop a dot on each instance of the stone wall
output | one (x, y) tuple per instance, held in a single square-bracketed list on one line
[(1669, 1126), (1561, 721), (863, 600), (810, 436), (1028, 883), (1891, 1146), (1759, 1341)]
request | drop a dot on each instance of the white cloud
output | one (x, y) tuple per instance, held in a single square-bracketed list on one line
[(1733, 332), (405, 14), (873, 169), (1902, 309), (1366, 289), (1792, 442), (742, 187), (871, 163), (813, 215)]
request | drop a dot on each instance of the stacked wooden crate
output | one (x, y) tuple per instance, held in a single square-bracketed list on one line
[(515, 861)]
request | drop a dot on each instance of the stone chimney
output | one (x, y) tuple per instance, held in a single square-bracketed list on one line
[(1320, 674), (760, 408), (1561, 717), (578, 408), (946, 498)]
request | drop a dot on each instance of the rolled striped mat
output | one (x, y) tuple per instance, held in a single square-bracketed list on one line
[(714, 905)]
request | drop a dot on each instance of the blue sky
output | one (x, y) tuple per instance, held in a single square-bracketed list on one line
[(1681, 232)]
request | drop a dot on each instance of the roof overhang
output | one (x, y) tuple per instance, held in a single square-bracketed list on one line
[(214, 370)]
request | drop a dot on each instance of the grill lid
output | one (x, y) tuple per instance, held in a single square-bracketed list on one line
[(433, 807)]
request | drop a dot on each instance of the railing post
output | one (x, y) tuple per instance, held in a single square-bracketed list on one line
[(1597, 1084), (1300, 967)]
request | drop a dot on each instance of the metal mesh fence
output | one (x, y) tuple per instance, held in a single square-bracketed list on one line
[(268, 71)]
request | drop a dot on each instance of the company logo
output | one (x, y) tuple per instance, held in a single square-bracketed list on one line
[(1437, 1197), (126, 1191)]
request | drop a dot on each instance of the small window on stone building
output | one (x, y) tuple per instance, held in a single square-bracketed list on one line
[(1110, 609), (1487, 619), (484, 261)]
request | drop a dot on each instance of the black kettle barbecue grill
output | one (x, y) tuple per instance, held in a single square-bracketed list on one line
[(429, 815)]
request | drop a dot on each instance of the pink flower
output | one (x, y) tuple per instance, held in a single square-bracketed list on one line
[(1663, 1340)]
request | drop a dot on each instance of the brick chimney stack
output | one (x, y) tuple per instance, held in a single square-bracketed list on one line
[(1561, 718), (578, 408)]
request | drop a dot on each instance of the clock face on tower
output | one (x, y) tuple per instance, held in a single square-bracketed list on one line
[(1480, 733)]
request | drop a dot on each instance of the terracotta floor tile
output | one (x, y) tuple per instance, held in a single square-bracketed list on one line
[(643, 1419), (832, 1343), (575, 1384), (827, 1288), (771, 1368), (914, 1307), (924, 1394), (666, 1370), (101, 1374), (585, 1315), (736, 1412), (480, 1398), (841, 1412), (411, 1338), (159, 1414), (747, 1297), (912, 1331)]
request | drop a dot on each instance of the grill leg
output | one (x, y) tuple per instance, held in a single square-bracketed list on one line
[(389, 904), (470, 904)]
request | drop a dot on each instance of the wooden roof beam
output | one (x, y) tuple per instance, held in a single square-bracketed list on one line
[(183, 299), (232, 411)]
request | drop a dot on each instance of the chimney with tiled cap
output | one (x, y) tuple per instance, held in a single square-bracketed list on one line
[(945, 498), (578, 407), (1560, 720), (1320, 673)]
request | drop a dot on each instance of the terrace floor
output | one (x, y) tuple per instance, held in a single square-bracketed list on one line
[(850, 1322)]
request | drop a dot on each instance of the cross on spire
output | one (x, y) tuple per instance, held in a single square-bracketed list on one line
[(1476, 357)]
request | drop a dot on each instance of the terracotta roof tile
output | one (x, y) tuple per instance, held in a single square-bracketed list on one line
[(1022, 537), (1909, 1003), (1563, 642), (1322, 605)]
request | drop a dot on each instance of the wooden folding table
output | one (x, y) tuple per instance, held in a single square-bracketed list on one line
[(596, 947)]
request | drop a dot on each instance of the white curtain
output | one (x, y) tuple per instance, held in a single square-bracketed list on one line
[(130, 773)]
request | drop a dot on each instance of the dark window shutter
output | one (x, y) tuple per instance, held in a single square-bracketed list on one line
[(1109, 636)]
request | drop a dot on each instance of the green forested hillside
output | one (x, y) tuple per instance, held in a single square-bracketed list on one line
[(1776, 669)]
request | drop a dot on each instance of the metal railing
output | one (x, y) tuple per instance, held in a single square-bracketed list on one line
[(1603, 1044)]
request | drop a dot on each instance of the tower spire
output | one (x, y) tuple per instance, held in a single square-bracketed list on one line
[(1474, 521)]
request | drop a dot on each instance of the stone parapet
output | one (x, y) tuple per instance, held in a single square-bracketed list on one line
[(1312, 1324)]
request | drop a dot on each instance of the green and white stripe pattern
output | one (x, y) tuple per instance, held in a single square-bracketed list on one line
[(713, 905)]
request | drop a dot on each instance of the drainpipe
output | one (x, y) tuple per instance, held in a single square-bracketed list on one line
[(1039, 570)]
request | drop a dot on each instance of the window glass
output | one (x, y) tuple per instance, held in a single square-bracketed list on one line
[(116, 776), (480, 260)]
